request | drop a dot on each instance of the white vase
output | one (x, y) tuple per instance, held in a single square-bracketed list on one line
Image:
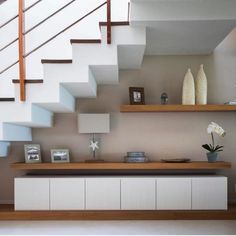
[(201, 87), (188, 94)]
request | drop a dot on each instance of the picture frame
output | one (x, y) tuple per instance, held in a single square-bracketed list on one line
[(136, 95), (32, 153), (60, 156)]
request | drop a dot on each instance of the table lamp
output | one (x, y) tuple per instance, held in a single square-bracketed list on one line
[(90, 123)]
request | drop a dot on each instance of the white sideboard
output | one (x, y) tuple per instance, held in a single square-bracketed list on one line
[(102, 193), (121, 193), (138, 193), (67, 193)]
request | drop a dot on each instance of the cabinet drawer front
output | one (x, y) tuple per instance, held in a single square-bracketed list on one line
[(102, 193), (31, 194), (209, 193), (67, 194), (173, 193), (138, 194)]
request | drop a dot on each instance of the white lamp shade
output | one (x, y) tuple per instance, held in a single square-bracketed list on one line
[(93, 123)]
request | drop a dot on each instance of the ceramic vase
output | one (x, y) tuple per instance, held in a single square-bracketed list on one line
[(188, 94), (212, 156), (201, 87)]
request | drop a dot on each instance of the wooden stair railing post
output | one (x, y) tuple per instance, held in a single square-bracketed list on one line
[(108, 21), (21, 45)]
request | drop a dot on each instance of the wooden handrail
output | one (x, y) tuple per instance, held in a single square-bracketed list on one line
[(14, 17), (108, 21), (21, 48)]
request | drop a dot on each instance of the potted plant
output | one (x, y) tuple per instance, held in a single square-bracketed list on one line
[(213, 151)]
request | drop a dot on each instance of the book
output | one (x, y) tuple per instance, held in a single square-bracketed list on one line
[(135, 159), (135, 154), (230, 103)]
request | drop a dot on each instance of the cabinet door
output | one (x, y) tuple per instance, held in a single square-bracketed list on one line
[(138, 194), (209, 193), (31, 194), (102, 193), (67, 193), (173, 193)]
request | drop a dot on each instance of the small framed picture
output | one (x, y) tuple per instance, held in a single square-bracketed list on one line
[(32, 153), (60, 155), (136, 95)]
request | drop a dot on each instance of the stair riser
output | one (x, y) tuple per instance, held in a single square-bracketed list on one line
[(130, 48), (134, 35), (25, 114), (78, 80), (4, 149), (57, 100), (94, 54), (12, 132)]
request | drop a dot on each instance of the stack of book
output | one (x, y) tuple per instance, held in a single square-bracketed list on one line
[(136, 157), (231, 103)]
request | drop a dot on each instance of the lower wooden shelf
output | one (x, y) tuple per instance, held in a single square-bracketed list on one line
[(7, 213), (196, 165)]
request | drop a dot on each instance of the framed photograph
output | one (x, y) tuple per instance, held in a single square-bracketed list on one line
[(32, 153), (136, 95), (60, 155)]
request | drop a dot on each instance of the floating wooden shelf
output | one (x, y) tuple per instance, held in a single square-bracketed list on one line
[(177, 108), (198, 165)]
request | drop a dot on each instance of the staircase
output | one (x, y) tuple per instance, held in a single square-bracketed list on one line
[(55, 80), (93, 62)]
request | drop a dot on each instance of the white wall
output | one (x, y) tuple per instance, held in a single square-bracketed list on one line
[(158, 134)]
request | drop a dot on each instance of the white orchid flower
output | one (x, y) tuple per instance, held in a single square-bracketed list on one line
[(211, 129), (215, 128)]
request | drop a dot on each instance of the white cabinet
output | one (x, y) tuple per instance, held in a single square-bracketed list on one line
[(31, 194), (67, 193), (209, 193), (173, 193), (121, 193), (138, 193), (103, 193)]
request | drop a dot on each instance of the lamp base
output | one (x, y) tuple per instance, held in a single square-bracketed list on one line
[(94, 161)]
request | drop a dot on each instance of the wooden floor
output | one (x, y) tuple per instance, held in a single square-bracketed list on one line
[(7, 213)]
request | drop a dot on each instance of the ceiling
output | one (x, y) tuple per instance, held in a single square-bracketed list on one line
[(183, 27)]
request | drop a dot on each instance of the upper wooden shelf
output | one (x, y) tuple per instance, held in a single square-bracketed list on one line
[(177, 108), (198, 165)]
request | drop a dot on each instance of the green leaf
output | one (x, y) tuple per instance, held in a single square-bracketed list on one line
[(218, 147), (207, 147)]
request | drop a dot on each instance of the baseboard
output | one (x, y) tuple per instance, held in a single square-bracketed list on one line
[(6, 201)]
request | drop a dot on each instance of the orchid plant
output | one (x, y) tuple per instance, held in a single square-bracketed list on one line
[(214, 128)]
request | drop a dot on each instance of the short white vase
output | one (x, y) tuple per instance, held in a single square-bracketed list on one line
[(188, 94), (201, 87)]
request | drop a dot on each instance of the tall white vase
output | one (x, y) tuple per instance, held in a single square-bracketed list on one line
[(188, 94), (201, 87)]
